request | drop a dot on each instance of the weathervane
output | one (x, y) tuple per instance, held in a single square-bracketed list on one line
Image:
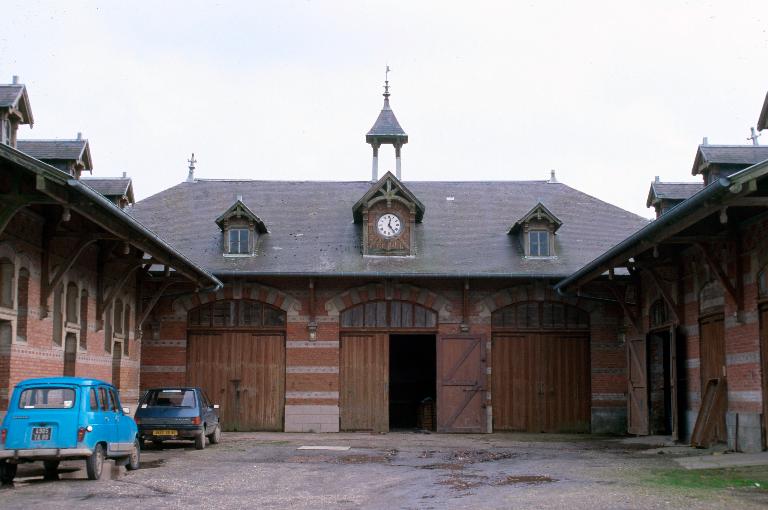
[(386, 81), (753, 136), (191, 161)]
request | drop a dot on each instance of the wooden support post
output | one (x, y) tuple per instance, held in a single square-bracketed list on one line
[(101, 306), (722, 277), (69, 261), (625, 307), (665, 294), (152, 302)]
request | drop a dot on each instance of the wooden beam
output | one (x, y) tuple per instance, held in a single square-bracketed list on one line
[(69, 261), (695, 239), (749, 202), (115, 290), (666, 295), (152, 302), (725, 281), (624, 306)]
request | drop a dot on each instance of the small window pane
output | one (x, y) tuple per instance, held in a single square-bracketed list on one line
[(47, 398), (103, 400), (223, 313), (762, 283), (238, 240), (539, 241), (114, 401), (273, 316), (94, 400)]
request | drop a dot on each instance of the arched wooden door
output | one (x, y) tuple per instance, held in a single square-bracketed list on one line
[(541, 368), (236, 353)]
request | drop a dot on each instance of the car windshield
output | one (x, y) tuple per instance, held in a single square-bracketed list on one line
[(47, 398), (170, 398)]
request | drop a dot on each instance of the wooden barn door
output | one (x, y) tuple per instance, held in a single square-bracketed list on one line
[(364, 382), (242, 371), (461, 384), (637, 401), (541, 382), (764, 361), (563, 367), (514, 382), (712, 348)]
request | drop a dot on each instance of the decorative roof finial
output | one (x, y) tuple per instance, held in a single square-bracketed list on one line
[(386, 82), (191, 161)]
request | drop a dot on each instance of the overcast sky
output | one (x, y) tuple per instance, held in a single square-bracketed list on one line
[(609, 94)]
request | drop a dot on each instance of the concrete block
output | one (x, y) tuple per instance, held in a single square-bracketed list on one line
[(744, 431), (609, 420)]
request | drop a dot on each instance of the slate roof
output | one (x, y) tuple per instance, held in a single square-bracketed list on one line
[(67, 150), (739, 155), (111, 186), (10, 94), (762, 121), (386, 125), (672, 191), (15, 95), (312, 229)]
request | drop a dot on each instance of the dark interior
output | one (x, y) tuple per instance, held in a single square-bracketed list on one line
[(412, 373), (659, 383)]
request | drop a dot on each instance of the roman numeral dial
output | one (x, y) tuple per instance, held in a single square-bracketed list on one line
[(389, 225)]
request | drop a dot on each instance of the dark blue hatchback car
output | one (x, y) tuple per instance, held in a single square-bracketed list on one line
[(177, 413)]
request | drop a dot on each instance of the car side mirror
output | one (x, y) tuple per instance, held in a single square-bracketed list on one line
[(215, 406), (126, 410)]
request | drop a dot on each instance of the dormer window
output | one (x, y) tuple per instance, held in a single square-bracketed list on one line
[(538, 241), (238, 241), (241, 229), (536, 232)]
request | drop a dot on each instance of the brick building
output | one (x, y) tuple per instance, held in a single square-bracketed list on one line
[(385, 304), (72, 264), (696, 302)]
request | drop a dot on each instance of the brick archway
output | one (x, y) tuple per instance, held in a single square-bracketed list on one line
[(528, 292), (397, 292), (277, 298)]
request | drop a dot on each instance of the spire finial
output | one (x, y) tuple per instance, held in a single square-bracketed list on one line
[(753, 136), (386, 81), (191, 161)]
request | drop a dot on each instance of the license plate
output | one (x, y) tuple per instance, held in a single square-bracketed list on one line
[(41, 434), (163, 432)]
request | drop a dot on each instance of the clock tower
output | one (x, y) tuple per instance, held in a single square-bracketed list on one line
[(388, 214), (386, 130)]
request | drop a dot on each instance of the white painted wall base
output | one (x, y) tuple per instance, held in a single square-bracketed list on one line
[(309, 418)]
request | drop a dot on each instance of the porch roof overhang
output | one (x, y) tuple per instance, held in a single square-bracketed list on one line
[(60, 188), (737, 190)]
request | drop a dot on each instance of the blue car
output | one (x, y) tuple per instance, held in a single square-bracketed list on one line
[(64, 418), (177, 413)]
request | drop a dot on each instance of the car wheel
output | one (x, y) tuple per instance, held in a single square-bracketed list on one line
[(51, 468), (7, 472), (95, 463), (200, 441), (134, 459), (215, 437)]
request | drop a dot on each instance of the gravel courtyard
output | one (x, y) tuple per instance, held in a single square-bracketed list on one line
[(399, 470)]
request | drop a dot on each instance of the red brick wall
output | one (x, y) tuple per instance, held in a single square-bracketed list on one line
[(312, 377), (38, 355)]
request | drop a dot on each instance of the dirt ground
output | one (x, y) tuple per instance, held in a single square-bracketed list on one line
[(399, 471)]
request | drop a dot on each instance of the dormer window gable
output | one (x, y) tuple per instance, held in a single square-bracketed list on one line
[(241, 229), (388, 213), (537, 232)]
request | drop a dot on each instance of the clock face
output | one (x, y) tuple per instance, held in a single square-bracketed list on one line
[(389, 225)]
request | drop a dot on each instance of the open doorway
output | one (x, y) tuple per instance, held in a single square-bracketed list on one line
[(660, 383), (412, 382)]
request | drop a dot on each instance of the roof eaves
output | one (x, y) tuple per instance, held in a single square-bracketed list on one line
[(624, 249), (762, 121)]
